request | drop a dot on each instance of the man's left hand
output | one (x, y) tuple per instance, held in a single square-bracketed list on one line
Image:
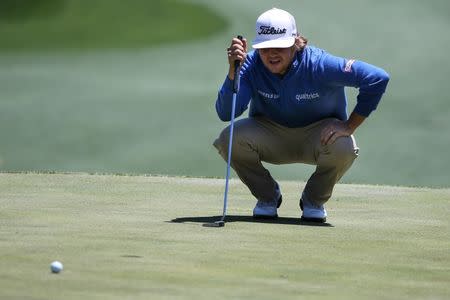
[(334, 130)]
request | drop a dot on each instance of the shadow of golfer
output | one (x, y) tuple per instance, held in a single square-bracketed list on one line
[(249, 219)]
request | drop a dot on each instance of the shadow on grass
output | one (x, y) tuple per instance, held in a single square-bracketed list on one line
[(249, 219)]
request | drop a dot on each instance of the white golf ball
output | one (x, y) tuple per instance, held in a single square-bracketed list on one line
[(56, 267)]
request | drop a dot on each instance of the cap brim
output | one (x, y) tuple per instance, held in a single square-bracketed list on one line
[(277, 43)]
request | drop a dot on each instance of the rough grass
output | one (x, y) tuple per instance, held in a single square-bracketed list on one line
[(141, 237), (151, 110), (70, 24)]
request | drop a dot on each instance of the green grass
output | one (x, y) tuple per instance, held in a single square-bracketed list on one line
[(70, 24), (151, 109), (141, 237)]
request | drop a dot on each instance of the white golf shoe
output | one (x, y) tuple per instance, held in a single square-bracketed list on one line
[(268, 210), (312, 212)]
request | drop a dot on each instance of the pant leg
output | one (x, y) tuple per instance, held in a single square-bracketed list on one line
[(255, 140), (332, 162), (259, 139)]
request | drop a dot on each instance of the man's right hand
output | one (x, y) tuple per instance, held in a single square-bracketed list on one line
[(236, 51)]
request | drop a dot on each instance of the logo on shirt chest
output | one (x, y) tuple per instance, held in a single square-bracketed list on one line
[(307, 96), (269, 96)]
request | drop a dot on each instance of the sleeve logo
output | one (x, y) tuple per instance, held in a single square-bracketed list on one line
[(348, 66)]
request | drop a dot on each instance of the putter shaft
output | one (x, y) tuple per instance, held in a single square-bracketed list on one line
[(230, 143)]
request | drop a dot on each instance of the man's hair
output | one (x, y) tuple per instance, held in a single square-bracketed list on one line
[(302, 44)]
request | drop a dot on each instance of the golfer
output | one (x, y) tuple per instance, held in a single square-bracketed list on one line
[(298, 112)]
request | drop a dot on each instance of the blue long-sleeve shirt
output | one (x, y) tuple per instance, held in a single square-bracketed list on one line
[(312, 89)]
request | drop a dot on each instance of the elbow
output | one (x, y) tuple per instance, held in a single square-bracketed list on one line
[(223, 118), (384, 78), (378, 82)]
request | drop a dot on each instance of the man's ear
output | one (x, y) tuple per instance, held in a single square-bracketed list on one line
[(298, 43)]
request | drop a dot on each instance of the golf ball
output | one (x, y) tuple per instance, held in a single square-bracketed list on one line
[(56, 267)]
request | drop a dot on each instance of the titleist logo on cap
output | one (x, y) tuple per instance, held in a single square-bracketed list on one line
[(271, 30)]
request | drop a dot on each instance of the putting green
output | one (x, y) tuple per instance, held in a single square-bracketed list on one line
[(136, 237)]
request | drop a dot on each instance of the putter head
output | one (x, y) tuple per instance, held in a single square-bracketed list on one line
[(215, 224), (220, 223)]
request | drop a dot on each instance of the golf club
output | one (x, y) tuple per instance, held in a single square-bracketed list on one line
[(221, 222)]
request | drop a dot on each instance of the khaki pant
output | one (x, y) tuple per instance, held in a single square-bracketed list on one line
[(259, 139)]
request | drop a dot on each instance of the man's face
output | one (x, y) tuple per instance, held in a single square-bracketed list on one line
[(277, 60)]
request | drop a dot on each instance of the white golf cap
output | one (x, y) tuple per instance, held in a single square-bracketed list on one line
[(275, 28)]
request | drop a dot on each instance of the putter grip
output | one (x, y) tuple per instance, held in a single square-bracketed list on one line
[(236, 72)]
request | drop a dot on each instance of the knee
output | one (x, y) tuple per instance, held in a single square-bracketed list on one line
[(239, 147), (221, 143), (344, 150)]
